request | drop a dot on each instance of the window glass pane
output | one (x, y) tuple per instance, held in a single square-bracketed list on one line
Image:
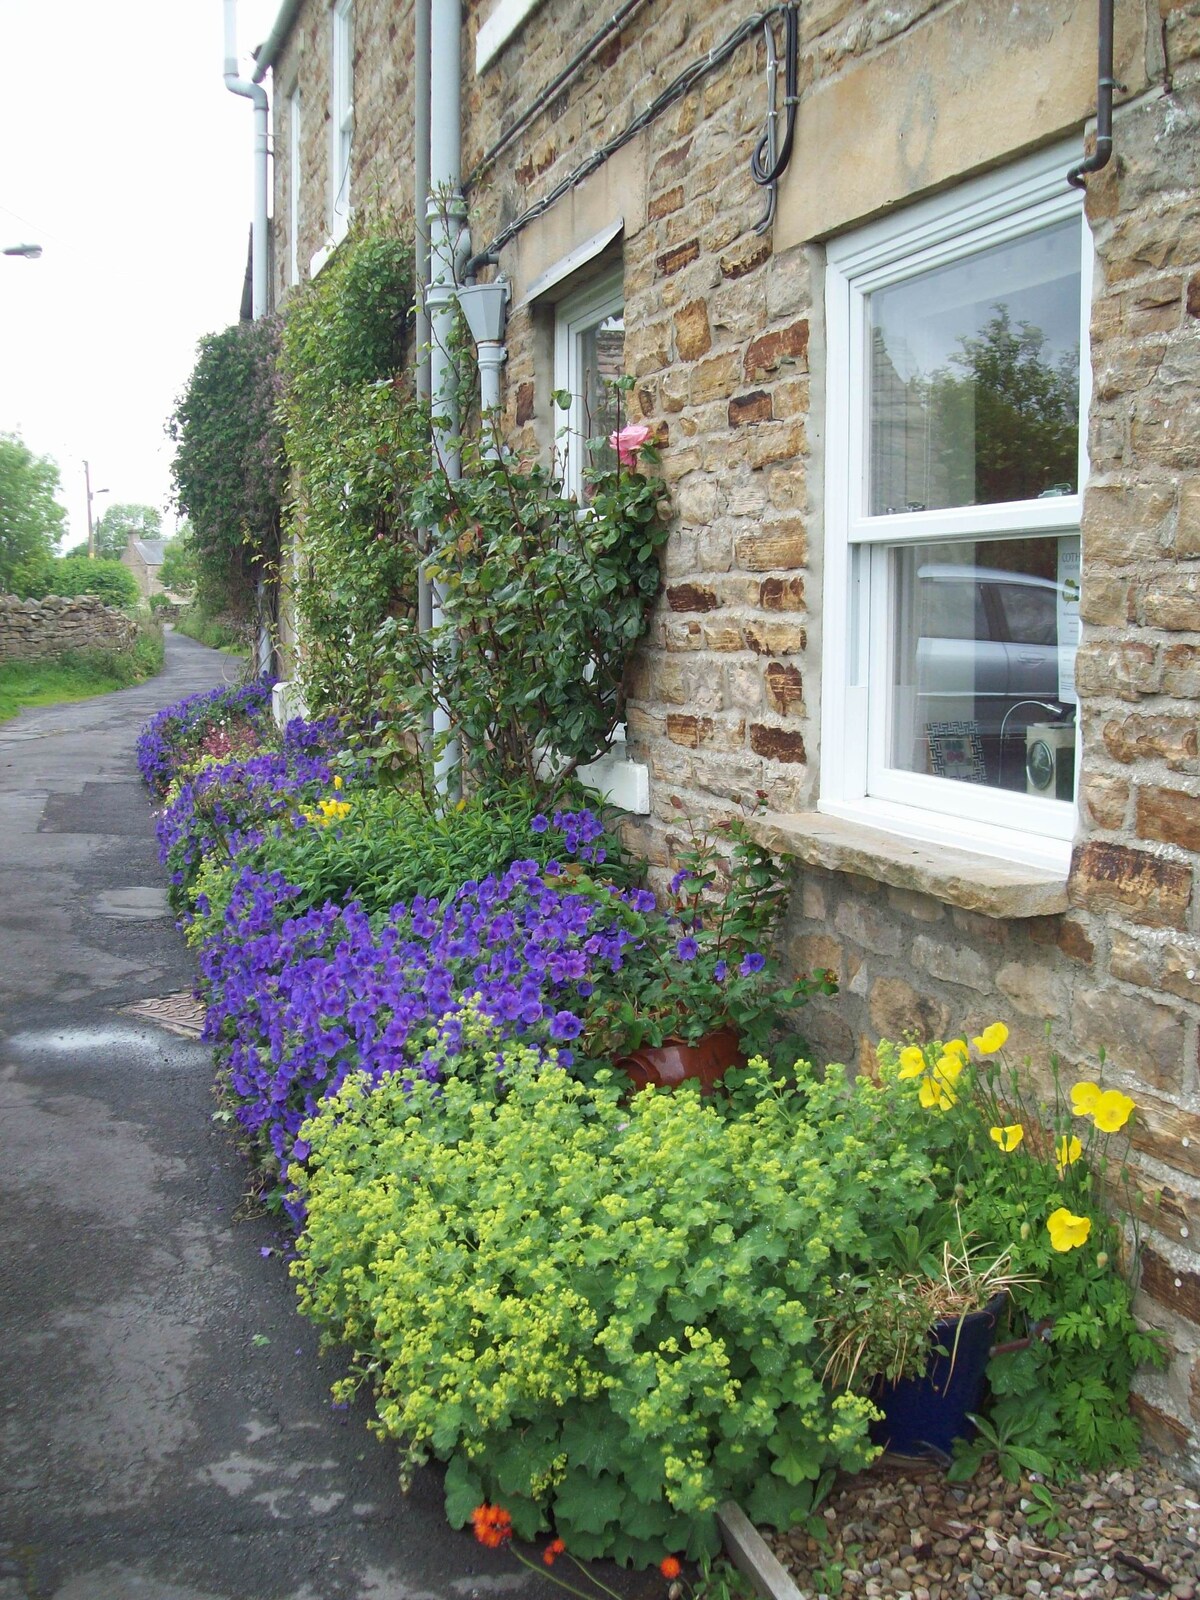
[(982, 684), (974, 378), (601, 363)]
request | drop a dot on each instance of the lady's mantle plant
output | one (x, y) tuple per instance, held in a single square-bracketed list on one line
[(595, 1309)]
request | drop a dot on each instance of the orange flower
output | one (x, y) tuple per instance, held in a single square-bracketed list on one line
[(669, 1567), (492, 1524), (554, 1549)]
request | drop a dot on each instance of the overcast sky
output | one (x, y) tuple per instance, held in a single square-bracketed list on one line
[(125, 157)]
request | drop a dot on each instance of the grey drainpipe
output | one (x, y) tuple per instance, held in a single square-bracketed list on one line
[(421, 234), (258, 96), (449, 248)]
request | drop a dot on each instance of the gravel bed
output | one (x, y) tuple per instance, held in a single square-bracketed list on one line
[(902, 1532)]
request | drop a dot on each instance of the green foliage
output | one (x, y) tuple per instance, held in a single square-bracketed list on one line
[(391, 846), (110, 581), (31, 519), (78, 675), (595, 1308), (356, 444), (178, 571), (543, 604), (701, 962), (119, 521), (218, 633), (228, 467)]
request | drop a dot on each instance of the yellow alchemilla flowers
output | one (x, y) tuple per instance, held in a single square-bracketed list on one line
[(1109, 1109), (1066, 1153), (991, 1039), (1067, 1231), (1008, 1137)]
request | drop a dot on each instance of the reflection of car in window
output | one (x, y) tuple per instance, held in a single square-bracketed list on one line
[(988, 653)]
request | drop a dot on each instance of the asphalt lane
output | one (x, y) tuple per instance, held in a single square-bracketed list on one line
[(166, 1431)]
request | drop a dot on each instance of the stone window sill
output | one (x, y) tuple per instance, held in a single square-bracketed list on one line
[(956, 877)]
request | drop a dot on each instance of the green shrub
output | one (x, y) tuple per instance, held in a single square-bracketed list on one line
[(599, 1310), (218, 632), (109, 581)]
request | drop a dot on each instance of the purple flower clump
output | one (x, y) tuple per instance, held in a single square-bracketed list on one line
[(172, 733), (297, 1002)]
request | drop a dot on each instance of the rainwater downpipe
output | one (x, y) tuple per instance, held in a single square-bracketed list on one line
[(449, 248), (258, 95), (1106, 83), (421, 272)]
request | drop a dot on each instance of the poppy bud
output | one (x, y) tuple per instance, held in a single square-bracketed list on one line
[(1102, 1259), (1026, 1230)]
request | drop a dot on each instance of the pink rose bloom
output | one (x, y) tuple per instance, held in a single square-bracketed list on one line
[(628, 442)]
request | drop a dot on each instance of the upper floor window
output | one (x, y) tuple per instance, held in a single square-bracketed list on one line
[(957, 387), (589, 355), (341, 116)]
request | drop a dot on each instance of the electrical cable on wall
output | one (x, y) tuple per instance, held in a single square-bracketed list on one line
[(768, 163), (675, 90)]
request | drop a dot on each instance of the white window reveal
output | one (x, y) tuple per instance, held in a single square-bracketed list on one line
[(589, 354), (294, 180), (341, 118), (958, 378)]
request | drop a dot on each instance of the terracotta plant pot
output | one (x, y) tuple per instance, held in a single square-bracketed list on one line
[(672, 1062)]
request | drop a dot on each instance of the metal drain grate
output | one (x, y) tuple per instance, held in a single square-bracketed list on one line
[(178, 1013)]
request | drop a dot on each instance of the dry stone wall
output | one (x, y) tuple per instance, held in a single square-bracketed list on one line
[(38, 630)]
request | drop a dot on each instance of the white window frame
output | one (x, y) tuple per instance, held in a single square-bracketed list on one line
[(857, 784), (294, 176), (341, 117), (573, 318)]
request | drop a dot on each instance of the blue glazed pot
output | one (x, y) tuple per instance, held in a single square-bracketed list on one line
[(924, 1416)]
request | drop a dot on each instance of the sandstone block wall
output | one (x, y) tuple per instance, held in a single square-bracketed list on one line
[(725, 336), (37, 630)]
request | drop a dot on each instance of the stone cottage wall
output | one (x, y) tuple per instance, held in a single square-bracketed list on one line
[(724, 334), (725, 337), (38, 630)]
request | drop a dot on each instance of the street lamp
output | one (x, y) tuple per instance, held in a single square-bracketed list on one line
[(91, 495), (30, 251)]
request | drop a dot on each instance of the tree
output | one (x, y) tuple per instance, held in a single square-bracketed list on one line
[(119, 521), (31, 519), (178, 571), (1020, 408), (229, 467)]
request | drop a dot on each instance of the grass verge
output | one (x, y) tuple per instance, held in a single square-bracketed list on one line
[(78, 675), (216, 632)]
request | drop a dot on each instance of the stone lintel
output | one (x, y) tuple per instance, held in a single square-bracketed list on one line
[(956, 877)]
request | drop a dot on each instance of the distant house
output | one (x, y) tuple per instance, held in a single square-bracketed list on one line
[(144, 558)]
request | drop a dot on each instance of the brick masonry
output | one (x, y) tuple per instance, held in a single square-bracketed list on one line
[(724, 335)]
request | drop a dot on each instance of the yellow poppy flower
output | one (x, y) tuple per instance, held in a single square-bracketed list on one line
[(957, 1047), (337, 780), (1066, 1153), (1112, 1110), (1067, 1231), (1008, 1138), (935, 1091), (1083, 1098), (991, 1039), (912, 1061), (949, 1066)]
